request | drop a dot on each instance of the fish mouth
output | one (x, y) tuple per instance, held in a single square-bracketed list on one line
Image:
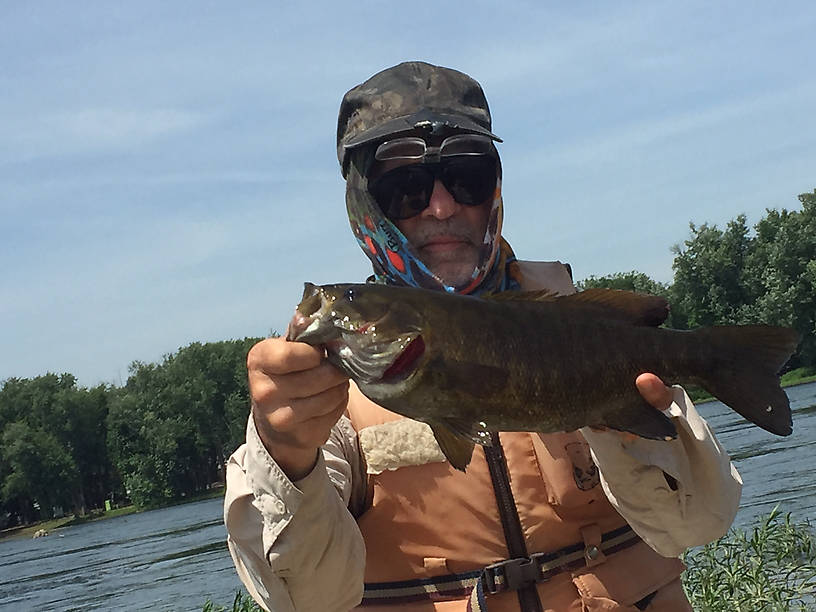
[(298, 326), (377, 346), (362, 351)]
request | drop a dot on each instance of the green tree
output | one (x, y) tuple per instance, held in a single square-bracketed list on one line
[(709, 273), (73, 419), (31, 400), (129, 448), (40, 471), (79, 425), (627, 281), (173, 424), (781, 274)]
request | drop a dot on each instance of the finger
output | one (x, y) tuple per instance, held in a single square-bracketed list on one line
[(654, 391), (311, 434), (277, 356), (310, 382), (322, 425), (274, 391), (301, 411)]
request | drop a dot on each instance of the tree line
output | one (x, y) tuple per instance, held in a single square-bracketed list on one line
[(167, 432), (162, 436)]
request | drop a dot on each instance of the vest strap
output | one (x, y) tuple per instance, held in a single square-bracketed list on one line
[(507, 575)]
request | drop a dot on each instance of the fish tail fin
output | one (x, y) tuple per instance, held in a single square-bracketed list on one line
[(745, 372)]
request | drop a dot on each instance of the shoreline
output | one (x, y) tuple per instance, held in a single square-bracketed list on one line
[(52, 525)]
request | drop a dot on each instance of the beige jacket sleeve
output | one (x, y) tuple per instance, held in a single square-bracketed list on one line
[(700, 503), (296, 545)]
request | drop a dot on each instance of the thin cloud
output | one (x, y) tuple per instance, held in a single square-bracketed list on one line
[(95, 130), (632, 136)]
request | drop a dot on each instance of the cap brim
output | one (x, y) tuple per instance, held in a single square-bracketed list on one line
[(412, 122)]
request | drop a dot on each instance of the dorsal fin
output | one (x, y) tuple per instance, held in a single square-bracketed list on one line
[(635, 308), (629, 306)]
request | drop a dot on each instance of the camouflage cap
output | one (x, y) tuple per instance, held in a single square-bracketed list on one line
[(407, 97)]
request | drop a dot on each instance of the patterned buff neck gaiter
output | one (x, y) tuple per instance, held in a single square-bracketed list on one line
[(395, 260)]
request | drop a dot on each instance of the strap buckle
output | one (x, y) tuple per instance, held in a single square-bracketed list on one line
[(515, 573)]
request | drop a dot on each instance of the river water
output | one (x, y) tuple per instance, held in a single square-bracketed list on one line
[(773, 469), (176, 558)]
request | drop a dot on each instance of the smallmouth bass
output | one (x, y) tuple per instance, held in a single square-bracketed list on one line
[(535, 361)]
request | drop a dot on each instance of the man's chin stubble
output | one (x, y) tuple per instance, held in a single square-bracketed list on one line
[(453, 269)]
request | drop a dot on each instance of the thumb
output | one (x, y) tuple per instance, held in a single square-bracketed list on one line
[(654, 391)]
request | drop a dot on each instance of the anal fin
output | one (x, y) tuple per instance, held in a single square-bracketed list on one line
[(639, 417)]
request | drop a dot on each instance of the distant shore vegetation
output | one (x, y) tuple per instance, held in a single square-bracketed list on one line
[(163, 437)]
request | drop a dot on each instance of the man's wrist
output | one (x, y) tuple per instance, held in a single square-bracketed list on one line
[(295, 461)]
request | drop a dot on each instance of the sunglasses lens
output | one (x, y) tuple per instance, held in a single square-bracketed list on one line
[(470, 180), (403, 192)]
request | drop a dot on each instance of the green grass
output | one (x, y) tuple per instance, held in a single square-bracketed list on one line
[(770, 567), (209, 494), (799, 376), (66, 521), (241, 603), (28, 531)]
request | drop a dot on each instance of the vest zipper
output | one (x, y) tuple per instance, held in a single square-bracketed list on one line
[(513, 535)]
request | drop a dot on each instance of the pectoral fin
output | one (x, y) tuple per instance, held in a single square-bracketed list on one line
[(457, 450), (476, 432)]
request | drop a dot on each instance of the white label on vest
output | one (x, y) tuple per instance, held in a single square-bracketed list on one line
[(397, 444)]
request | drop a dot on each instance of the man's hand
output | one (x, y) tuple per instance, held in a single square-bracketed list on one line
[(297, 397)]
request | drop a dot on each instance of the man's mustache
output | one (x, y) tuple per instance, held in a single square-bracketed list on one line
[(449, 229)]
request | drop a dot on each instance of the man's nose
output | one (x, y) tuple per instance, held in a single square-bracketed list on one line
[(442, 204)]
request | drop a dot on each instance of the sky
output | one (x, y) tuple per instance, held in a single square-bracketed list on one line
[(168, 171)]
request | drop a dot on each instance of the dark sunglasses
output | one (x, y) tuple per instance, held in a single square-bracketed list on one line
[(466, 166), (404, 192)]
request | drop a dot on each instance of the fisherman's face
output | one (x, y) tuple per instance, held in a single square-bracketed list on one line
[(447, 234)]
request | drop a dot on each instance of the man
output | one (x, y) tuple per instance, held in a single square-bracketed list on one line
[(331, 491)]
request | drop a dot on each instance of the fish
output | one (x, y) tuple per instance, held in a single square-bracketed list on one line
[(536, 361)]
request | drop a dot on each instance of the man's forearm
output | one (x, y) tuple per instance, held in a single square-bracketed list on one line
[(295, 544)]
